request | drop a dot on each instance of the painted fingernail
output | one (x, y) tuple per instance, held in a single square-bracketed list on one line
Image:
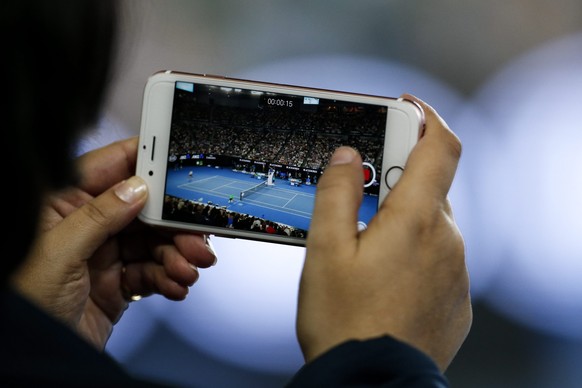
[(131, 190), (343, 155)]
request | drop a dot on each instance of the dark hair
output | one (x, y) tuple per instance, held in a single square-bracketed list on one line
[(56, 61)]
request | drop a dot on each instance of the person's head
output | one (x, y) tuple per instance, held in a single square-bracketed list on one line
[(56, 61)]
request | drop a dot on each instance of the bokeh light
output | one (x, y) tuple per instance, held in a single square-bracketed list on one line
[(243, 310), (531, 186), (483, 257)]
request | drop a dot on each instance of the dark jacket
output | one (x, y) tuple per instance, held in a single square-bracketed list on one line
[(39, 351)]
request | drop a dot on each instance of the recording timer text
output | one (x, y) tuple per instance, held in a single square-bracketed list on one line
[(280, 102)]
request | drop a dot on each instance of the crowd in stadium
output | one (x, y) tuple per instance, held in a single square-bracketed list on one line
[(302, 139), (184, 210)]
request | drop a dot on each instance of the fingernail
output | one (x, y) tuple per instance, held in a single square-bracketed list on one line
[(131, 190), (210, 248), (196, 273), (195, 270), (343, 155)]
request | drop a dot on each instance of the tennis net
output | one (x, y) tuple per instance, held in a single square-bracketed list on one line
[(254, 189)]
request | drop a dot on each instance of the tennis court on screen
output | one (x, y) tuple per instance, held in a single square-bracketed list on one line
[(282, 202)]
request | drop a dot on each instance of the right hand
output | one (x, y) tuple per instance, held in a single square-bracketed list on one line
[(405, 275)]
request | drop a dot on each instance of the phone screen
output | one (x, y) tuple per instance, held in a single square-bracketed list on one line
[(250, 160)]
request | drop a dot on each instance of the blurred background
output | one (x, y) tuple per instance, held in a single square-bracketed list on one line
[(507, 77)]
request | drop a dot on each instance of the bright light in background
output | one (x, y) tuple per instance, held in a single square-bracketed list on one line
[(243, 309), (483, 256), (532, 186)]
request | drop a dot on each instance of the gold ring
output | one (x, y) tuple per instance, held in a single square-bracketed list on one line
[(125, 291)]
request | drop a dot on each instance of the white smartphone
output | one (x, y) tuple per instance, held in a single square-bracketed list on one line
[(239, 158)]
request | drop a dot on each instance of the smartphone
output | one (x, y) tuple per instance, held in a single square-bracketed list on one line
[(242, 159)]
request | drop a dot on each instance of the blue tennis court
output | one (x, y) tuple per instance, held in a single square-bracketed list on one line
[(283, 203)]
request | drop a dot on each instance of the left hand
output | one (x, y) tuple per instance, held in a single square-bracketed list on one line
[(91, 253)]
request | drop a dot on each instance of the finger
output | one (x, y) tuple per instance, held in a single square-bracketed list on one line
[(432, 164), (337, 200), (196, 248), (176, 266), (147, 278), (87, 228), (103, 167), (144, 243)]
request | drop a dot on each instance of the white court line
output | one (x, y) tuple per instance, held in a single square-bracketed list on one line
[(208, 179), (291, 192), (192, 185), (283, 209), (266, 205), (291, 199), (200, 180), (226, 185), (278, 208)]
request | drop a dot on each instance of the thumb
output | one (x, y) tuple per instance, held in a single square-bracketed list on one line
[(62, 251), (87, 228), (337, 200)]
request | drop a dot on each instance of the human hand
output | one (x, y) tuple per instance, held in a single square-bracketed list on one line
[(405, 275), (92, 253)]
